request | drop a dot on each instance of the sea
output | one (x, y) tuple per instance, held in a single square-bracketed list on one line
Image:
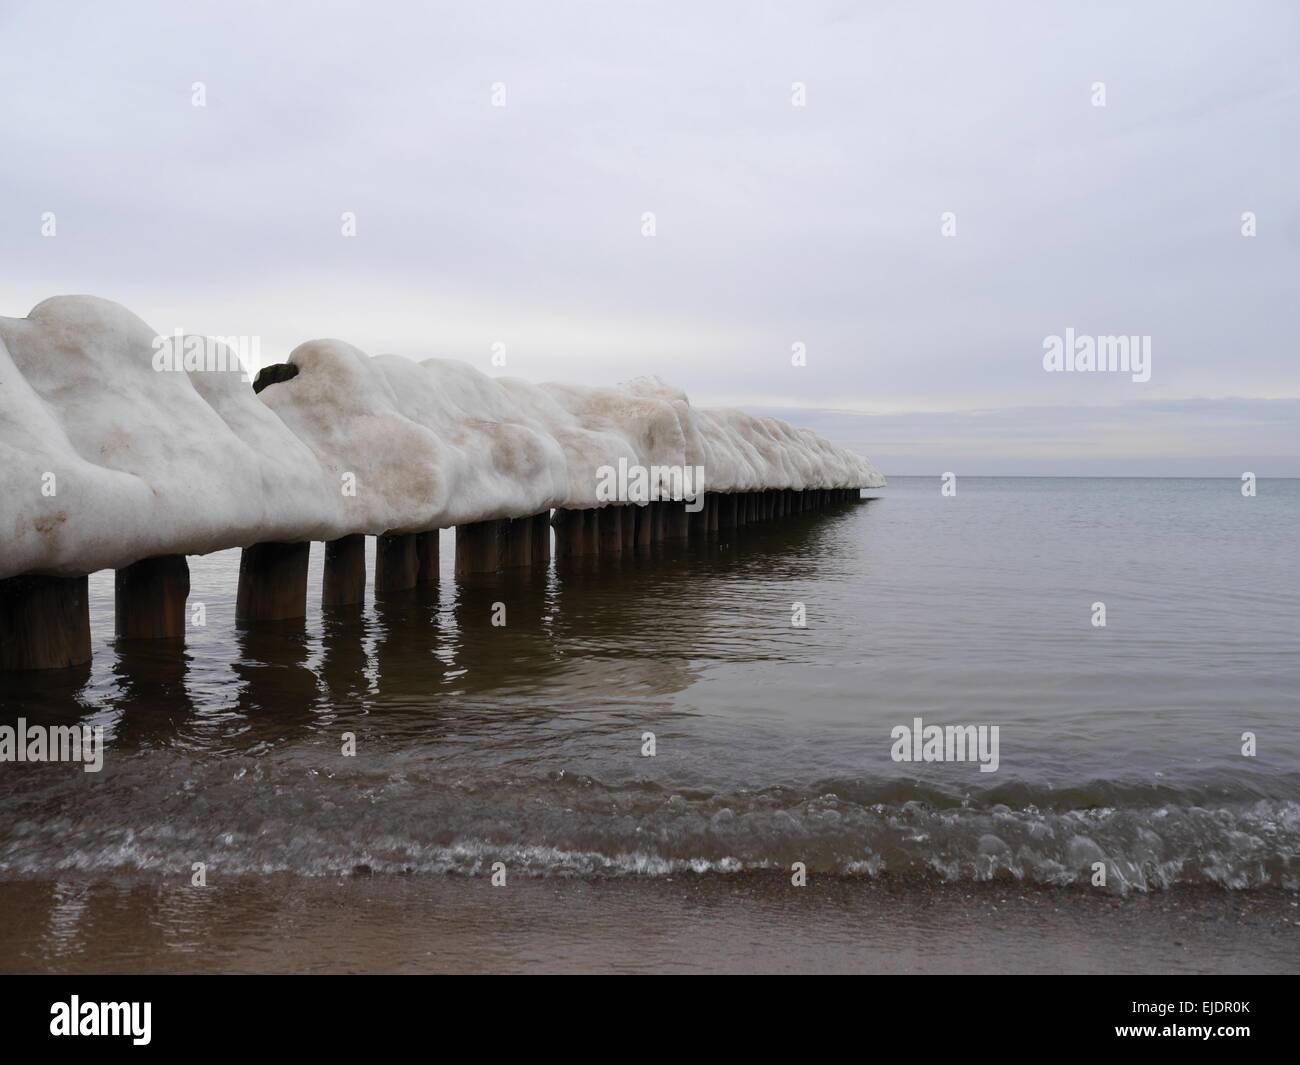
[(708, 757)]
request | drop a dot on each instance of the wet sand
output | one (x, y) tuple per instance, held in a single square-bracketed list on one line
[(749, 923)]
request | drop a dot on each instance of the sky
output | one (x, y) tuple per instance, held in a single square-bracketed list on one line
[(916, 196)]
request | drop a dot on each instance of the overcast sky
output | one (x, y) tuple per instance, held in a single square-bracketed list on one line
[(775, 224)]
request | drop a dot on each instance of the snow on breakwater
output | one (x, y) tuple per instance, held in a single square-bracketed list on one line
[(106, 459)]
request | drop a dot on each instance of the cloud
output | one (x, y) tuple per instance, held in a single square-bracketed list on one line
[(775, 224)]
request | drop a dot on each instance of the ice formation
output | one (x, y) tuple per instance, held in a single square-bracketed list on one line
[(105, 459)]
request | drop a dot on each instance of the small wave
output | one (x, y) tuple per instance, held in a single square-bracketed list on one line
[(260, 819)]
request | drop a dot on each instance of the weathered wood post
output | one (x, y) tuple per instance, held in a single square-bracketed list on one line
[(343, 582), (726, 515), (397, 565), (697, 521), (426, 557), (478, 547), (149, 599), (713, 504), (273, 582), (541, 536), (570, 533), (517, 543), (677, 523), (610, 526), (628, 518), (44, 622), (658, 523), (643, 519)]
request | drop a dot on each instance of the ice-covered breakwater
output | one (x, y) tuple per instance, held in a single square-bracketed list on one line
[(117, 449)]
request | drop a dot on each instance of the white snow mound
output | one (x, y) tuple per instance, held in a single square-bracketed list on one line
[(105, 459)]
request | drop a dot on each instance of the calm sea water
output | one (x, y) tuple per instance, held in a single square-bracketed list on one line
[(524, 744)]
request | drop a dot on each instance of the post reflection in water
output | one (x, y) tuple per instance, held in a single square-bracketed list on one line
[(578, 634)]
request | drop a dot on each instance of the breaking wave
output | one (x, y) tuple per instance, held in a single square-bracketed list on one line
[(255, 820)]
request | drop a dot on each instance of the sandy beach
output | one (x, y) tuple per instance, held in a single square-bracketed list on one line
[(710, 924)]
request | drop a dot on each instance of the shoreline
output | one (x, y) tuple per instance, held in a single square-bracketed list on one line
[(701, 924)]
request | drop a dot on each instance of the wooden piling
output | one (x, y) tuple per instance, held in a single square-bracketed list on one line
[(344, 580), (643, 519), (697, 521), (570, 533), (726, 514), (676, 520), (273, 582), (427, 557), (149, 599), (516, 543), (628, 518), (658, 523), (397, 565), (610, 526), (478, 547), (44, 622), (541, 537)]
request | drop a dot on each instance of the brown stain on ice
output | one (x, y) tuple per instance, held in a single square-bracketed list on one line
[(47, 526), (117, 441)]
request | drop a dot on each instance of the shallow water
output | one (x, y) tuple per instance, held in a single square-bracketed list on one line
[(523, 744)]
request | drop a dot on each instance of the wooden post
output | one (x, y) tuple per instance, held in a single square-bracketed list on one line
[(273, 582), (697, 521), (478, 547), (570, 533), (643, 518), (658, 522), (726, 514), (676, 520), (344, 580), (149, 599), (610, 531), (517, 543), (712, 503), (426, 557), (44, 622), (541, 535), (397, 565), (628, 518)]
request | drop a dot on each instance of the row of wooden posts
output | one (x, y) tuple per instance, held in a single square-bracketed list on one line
[(45, 621)]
